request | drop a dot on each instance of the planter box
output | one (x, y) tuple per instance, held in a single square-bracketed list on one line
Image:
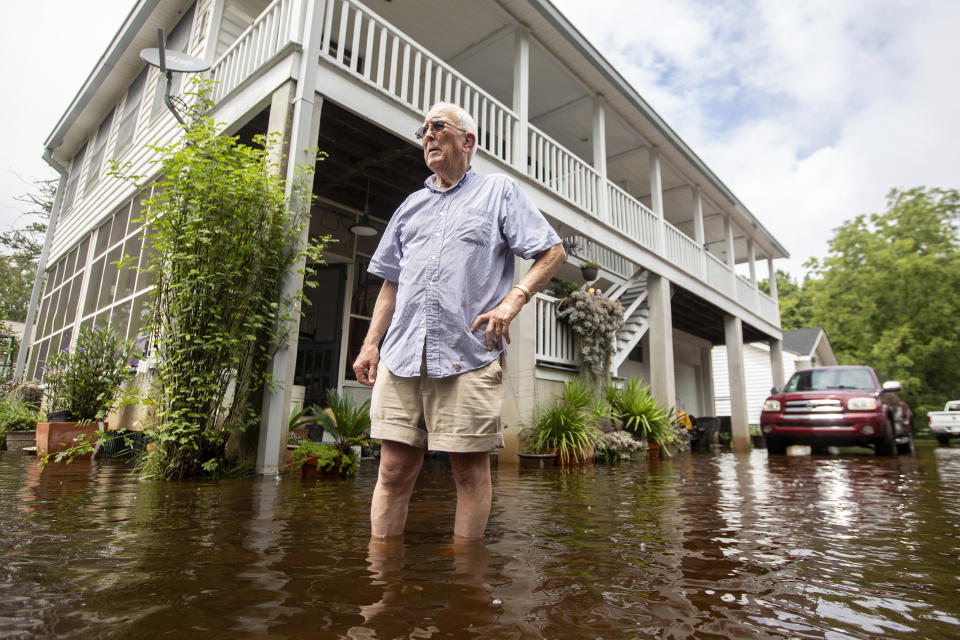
[(53, 437), (17, 441)]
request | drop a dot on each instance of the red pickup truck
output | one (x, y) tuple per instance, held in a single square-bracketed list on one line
[(839, 406)]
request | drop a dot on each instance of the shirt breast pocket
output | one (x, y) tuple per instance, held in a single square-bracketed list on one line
[(475, 229)]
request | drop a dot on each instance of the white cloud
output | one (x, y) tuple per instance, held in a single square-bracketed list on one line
[(809, 111)]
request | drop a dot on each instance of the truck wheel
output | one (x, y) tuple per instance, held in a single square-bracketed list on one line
[(943, 440), (776, 446), (906, 447), (885, 446)]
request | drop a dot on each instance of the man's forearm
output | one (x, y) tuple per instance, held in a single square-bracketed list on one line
[(382, 314), (543, 268)]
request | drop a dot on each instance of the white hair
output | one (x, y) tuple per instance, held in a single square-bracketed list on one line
[(464, 120)]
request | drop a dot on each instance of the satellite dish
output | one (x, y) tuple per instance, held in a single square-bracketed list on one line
[(175, 60)]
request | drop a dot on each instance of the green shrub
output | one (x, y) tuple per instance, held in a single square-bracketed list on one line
[(641, 413), (329, 458)]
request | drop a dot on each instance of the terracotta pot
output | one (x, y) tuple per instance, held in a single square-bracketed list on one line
[(653, 450), (574, 458), (53, 437), (309, 469)]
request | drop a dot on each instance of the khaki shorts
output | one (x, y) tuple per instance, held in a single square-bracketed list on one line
[(458, 413)]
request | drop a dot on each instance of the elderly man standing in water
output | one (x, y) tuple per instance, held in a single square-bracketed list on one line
[(445, 307)]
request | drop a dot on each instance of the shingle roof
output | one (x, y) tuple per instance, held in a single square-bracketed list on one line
[(802, 341)]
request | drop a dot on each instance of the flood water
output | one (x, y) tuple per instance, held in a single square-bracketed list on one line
[(701, 546)]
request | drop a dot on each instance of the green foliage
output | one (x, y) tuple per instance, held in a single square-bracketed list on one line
[(16, 414), (86, 382), (562, 288), (349, 423), (224, 235), (887, 293), (796, 307), (641, 413), (329, 458), (20, 251), (569, 425)]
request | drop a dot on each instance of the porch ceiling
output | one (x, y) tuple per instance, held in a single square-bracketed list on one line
[(700, 318)]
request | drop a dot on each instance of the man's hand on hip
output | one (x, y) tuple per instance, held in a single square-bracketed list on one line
[(498, 319), (365, 365)]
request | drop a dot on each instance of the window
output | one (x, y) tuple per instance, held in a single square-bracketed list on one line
[(59, 306), (128, 117), (178, 40), (96, 152), (70, 190)]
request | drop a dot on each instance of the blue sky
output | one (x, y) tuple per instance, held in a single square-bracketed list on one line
[(809, 111)]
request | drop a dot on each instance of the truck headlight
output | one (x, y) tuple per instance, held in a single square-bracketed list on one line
[(771, 405), (861, 404)]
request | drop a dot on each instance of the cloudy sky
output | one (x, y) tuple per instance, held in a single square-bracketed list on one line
[(809, 111)]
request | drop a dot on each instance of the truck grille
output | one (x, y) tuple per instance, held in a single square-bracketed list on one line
[(818, 405)]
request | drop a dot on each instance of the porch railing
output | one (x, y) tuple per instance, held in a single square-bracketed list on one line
[(370, 48), (719, 274), (562, 172), (556, 342), (592, 251), (278, 26), (682, 250), (632, 218)]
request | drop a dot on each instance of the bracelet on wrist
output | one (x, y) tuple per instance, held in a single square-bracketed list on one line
[(526, 292)]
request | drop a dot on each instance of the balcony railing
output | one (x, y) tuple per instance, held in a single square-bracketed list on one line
[(592, 251), (356, 38), (360, 42), (556, 342), (276, 28), (562, 172)]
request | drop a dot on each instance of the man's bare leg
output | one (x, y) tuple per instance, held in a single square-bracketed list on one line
[(399, 467), (471, 472)]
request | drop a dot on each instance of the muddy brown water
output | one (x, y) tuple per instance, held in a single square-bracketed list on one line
[(701, 546)]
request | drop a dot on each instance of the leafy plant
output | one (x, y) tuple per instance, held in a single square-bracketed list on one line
[(562, 288), (87, 381), (641, 413), (567, 426), (349, 423), (329, 458), (225, 235), (595, 319), (16, 415)]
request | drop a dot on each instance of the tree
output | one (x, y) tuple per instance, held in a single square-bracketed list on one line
[(887, 293), (20, 251), (796, 310)]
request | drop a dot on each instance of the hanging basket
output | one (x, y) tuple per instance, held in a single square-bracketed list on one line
[(589, 272)]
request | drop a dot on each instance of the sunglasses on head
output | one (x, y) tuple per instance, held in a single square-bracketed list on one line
[(435, 126)]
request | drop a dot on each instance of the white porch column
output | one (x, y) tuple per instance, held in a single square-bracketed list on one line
[(656, 194), (521, 97), (294, 111), (600, 157), (520, 382), (733, 337), (698, 233), (776, 362), (731, 256), (662, 379), (772, 275), (708, 403), (752, 258)]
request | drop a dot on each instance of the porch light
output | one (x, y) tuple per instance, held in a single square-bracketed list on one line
[(364, 228)]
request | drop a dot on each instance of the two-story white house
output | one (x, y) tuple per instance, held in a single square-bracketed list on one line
[(354, 78)]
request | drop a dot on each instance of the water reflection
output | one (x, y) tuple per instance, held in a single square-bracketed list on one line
[(705, 546)]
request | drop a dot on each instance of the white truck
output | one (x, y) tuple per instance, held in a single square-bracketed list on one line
[(945, 424)]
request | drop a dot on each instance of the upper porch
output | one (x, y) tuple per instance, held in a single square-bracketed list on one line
[(598, 161)]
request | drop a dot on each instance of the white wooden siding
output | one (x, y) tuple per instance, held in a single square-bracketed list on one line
[(756, 365)]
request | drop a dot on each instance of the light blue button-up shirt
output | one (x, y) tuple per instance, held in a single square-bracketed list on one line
[(451, 254)]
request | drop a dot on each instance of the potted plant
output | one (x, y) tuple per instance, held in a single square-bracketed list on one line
[(568, 427), (347, 423), (595, 319), (590, 270), (641, 414), (18, 420), (86, 384), (617, 445)]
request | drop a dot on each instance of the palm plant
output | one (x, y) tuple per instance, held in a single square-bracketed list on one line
[(569, 425), (641, 413), (346, 422)]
